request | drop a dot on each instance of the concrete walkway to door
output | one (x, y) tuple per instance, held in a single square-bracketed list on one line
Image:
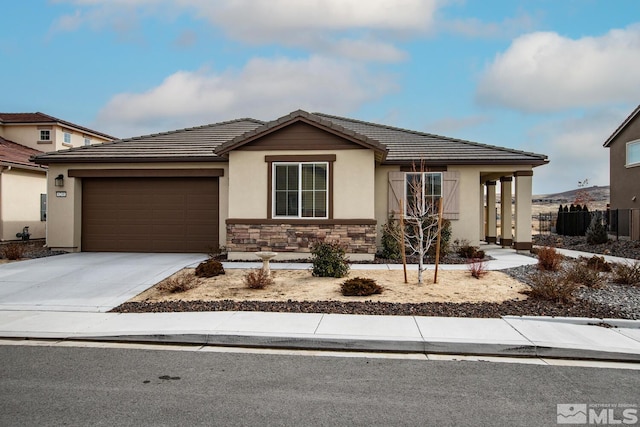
[(87, 281)]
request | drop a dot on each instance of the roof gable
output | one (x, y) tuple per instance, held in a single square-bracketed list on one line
[(294, 120), (630, 119)]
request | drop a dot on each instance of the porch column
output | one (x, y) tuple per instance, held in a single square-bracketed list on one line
[(490, 215), (506, 238), (522, 241)]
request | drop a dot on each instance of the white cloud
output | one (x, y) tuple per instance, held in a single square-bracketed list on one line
[(263, 89), (347, 28), (575, 150), (547, 72)]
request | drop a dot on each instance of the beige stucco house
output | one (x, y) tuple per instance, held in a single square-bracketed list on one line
[(23, 184), (250, 185), (624, 171)]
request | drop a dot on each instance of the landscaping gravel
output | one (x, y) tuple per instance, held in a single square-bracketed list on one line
[(619, 248)]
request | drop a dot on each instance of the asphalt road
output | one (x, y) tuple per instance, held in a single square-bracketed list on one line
[(110, 386)]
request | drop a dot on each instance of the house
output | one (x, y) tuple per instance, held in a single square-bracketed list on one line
[(280, 185), (23, 184), (624, 173)]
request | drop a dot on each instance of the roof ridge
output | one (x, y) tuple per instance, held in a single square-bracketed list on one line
[(170, 132), (49, 118), (415, 132)]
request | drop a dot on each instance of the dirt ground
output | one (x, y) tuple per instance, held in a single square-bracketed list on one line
[(296, 285)]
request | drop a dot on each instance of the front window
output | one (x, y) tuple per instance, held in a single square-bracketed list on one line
[(87, 141), (633, 153), (67, 138), (300, 190), (422, 192), (45, 135)]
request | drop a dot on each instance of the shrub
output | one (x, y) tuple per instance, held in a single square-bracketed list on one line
[(217, 252), (549, 287), (209, 268), (580, 274), (598, 263), (470, 252), (549, 259), (13, 251), (328, 260), (390, 244), (360, 286), (257, 279), (180, 282), (597, 232), (627, 273), (445, 238), (477, 267)]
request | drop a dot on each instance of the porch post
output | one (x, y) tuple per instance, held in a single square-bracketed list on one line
[(524, 181), (506, 238), (492, 226)]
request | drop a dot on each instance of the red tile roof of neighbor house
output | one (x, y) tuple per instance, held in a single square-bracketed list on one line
[(41, 118), (623, 125), (208, 143), (14, 154)]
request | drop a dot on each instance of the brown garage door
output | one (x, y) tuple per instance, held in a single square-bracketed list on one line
[(149, 214)]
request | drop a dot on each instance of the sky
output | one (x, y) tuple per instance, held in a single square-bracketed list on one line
[(554, 77)]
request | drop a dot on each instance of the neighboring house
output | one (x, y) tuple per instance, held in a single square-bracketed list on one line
[(249, 186), (624, 171), (23, 185)]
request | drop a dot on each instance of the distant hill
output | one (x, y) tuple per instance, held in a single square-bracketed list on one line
[(594, 193)]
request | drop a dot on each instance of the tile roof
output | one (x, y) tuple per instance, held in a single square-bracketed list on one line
[(190, 144), (32, 118), (623, 125), (407, 146), (396, 145), (14, 154)]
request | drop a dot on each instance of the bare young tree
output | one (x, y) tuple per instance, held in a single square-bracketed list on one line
[(420, 218)]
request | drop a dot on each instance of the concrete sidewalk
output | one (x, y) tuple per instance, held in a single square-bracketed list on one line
[(510, 336), (574, 338)]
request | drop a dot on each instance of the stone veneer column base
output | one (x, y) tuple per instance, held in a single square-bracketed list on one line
[(490, 239), (506, 243), (522, 246)]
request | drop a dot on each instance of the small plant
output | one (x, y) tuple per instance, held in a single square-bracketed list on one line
[(580, 274), (257, 279), (627, 273), (597, 231), (549, 287), (209, 268), (328, 260), (360, 286), (470, 252), (598, 263), (445, 238), (180, 282), (549, 259), (13, 251), (217, 252), (477, 267)]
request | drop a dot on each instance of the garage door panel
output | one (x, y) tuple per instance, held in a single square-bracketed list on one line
[(149, 214)]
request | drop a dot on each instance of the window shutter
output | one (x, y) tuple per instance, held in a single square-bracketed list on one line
[(396, 193), (451, 195)]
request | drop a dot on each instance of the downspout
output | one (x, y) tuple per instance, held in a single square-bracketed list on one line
[(2, 168)]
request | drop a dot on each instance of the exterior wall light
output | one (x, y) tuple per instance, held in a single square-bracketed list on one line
[(59, 181)]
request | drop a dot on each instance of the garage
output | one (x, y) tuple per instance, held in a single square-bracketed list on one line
[(149, 214)]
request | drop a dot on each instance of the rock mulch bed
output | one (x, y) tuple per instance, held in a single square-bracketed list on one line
[(619, 248)]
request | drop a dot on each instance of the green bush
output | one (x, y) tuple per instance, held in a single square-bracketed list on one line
[(328, 260), (597, 232), (445, 239), (360, 286), (390, 244), (470, 252), (209, 268), (257, 279)]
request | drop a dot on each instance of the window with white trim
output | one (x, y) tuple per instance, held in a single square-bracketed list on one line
[(67, 138), (45, 135), (633, 153), (300, 189), (422, 191), (87, 140)]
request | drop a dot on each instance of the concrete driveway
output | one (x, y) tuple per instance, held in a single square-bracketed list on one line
[(88, 281)]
